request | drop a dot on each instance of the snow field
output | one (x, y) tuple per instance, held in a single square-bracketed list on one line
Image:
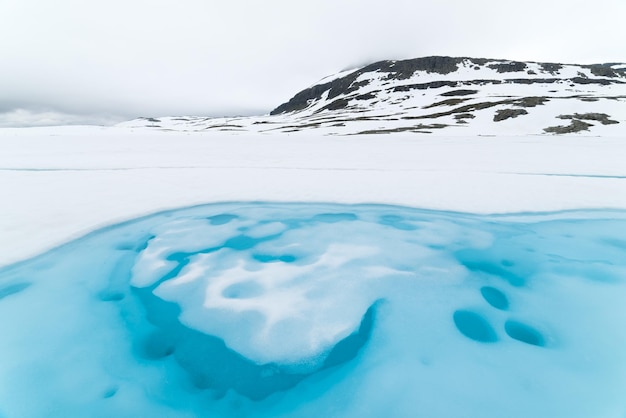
[(60, 183)]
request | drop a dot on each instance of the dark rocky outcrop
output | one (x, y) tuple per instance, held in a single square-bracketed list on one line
[(387, 91), (508, 67), (550, 67), (574, 126), (468, 108), (447, 102), (401, 70), (461, 117), (398, 70), (336, 105), (366, 96), (443, 94), (531, 101), (424, 86), (603, 118), (421, 128), (602, 70), (303, 99), (462, 92), (505, 114), (578, 123)]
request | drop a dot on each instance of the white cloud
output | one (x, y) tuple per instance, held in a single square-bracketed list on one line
[(165, 57)]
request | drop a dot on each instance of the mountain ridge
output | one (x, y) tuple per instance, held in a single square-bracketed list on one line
[(404, 69), (447, 95)]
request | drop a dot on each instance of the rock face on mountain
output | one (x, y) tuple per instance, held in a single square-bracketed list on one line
[(446, 95), (398, 70), (404, 70)]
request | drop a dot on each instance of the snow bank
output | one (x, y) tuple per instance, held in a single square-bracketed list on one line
[(60, 183)]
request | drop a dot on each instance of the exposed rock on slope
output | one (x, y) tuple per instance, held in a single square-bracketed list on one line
[(451, 96)]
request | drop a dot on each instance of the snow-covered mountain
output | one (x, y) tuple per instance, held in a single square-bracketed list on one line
[(446, 95)]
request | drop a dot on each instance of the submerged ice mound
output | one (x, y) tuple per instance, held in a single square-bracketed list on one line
[(301, 310), (278, 292)]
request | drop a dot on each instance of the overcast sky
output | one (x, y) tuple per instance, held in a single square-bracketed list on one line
[(77, 61)]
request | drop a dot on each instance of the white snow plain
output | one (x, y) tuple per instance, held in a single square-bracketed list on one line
[(59, 183)]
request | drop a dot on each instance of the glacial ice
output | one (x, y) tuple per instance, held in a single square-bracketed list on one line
[(300, 310)]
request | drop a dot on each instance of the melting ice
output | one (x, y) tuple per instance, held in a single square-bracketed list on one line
[(303, 310)]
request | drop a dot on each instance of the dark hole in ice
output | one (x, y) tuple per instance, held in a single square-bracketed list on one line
[(266, 258), (109, 393), (349, 347), (495, 297), (524, 333), (474, 326), (241, 242), (178, 256), (221, 219), (495, 270), (335, 217), (125, 246), (13, 289), (507, 263), (210, 364), (477, 262), (157, 345)]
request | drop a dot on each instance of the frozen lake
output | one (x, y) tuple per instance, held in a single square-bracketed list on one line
[(284, 309)]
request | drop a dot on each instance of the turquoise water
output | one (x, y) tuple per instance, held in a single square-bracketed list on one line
[(300, 310)]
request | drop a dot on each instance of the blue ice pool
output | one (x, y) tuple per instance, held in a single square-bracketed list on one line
[(321, 310)]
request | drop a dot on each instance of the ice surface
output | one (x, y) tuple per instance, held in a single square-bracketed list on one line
[(59, 183), (300, 310)]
